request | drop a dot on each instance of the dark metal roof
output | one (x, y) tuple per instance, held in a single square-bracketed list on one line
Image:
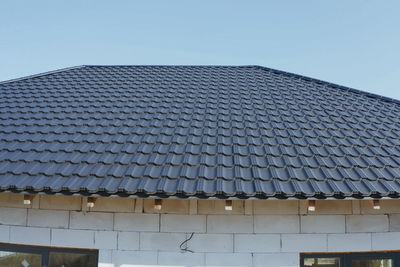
[(196, 131)]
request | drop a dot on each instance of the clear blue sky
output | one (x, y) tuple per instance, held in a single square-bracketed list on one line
[(354, 43)]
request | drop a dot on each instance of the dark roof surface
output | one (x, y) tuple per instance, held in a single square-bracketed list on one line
[(196, 131)]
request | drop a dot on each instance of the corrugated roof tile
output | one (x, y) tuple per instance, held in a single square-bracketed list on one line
[(197, 131)]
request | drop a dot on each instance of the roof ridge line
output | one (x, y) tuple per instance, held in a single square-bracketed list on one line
[(342, 87), (165, 65), (290, 74), (41, 74)]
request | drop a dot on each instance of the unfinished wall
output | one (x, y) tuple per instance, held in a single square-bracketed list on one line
[(255, 233)]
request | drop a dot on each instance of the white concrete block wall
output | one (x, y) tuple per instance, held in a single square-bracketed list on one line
[(211, 243), (136, 222), (105, 258), (303, 242), (48, 218), (230, 224), (385, 241), (13, 216), (257, 243), (128, 240), (275, 259), (125, 258), (4, 233), (367, 223), (229, 259), (183, 223), (258, 233), (322, 224), (105, 240), (161, 241), (276, 224), (34, 235), (349, 242), (181, 259), (72, 238), (91, 220), (394, 222)]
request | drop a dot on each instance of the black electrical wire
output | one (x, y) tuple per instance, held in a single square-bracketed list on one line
[(186, 248)]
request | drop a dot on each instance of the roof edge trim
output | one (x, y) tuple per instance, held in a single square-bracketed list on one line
[(41, 74), (196, 197)]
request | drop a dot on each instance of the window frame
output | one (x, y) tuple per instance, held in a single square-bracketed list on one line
[(347, 257), (45, 251)]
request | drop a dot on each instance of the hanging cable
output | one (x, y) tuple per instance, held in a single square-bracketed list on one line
[(185, 249)]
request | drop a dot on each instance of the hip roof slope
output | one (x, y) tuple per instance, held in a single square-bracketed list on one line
[(196, 131)]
